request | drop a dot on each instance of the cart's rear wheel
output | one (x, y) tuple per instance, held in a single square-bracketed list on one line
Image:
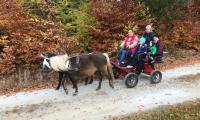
[(131, 80), (156, 76)]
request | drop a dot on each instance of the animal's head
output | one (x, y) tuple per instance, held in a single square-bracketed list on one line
[(46, 61)]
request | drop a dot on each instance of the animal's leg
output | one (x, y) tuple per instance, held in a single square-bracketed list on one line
[(91, 80), (107, 71), (86, 81), (111, 83), (100, 81), (73, 83), (60, 80), (110, 76), (73, 86), (65, 88), (76, 87)]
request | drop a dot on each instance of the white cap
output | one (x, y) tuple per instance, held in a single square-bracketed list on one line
[(148, 27)]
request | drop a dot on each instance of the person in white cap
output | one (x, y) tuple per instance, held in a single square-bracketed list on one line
[(148, 35)]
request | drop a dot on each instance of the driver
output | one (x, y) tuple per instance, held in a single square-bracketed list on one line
[(128, 47)]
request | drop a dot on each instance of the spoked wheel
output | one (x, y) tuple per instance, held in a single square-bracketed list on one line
[(156, 76), (131, 80)]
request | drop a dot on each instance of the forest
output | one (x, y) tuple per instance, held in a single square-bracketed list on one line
[(31, 27), (59, 34)]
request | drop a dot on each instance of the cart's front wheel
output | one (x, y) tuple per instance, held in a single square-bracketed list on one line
[(156, 76), (131, 80)]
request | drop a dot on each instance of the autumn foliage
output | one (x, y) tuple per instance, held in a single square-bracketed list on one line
[(186, 30), (114, 17), (29, 28), (23, 39)]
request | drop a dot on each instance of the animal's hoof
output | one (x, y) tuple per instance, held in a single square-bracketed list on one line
[(90, 82), (98, 89), (57, 88), (76, 93), (111, 85), (66, 92)]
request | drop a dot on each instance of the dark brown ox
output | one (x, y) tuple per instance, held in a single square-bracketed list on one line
[(80, 67)]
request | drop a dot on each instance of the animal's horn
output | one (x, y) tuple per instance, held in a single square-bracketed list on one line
[(42, 55)]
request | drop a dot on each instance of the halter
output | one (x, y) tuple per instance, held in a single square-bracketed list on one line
[(49, 63)]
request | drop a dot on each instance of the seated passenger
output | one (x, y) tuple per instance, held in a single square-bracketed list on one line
[(142, 53), (142, 46), (151, 52), (128, 48), (159, 48), (148, 34)]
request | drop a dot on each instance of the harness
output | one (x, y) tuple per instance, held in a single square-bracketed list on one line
[(77, 56)]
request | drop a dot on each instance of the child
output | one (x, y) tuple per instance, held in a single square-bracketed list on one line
[(142, 46), (141, 53), (151, 52)]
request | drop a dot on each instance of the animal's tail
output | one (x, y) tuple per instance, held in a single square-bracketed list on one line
[(109, 67)]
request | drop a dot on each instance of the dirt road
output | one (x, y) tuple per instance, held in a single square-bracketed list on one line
[(178, 85)]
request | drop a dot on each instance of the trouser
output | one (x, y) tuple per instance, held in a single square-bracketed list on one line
[(132, 59), (122, 56), (141, 61)]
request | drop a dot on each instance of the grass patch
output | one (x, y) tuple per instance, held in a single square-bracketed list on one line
[(189, 77), (185, 111)]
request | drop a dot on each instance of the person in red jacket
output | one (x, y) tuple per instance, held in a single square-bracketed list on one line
[(128, 48)]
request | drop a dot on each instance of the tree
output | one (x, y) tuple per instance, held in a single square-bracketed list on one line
[(25, 38), (164, 9), (115, 18), (73, 16)]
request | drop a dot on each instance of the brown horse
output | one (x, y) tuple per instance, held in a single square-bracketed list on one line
[(80, 67)]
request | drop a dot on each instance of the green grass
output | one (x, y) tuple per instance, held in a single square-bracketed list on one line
[(185, 111)]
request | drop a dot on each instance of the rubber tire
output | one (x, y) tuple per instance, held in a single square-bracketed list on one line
[(153, 73), (127, 79)]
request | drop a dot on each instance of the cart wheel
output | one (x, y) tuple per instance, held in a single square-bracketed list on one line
[(156, 76), (115, 72), (131, 80)]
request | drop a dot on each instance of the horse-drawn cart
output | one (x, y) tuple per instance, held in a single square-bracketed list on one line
[(130, 75)]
